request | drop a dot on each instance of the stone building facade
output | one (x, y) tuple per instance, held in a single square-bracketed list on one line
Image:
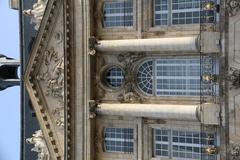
[(135, 79)]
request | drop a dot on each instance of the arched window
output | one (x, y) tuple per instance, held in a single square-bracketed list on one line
[(145, 77), (170, 77)]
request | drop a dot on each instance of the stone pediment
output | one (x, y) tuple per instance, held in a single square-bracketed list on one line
[(44, 78)]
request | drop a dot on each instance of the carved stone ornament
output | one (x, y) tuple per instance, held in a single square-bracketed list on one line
[(44, 75), (234, 78), (36, 13), (234, 152), (130, 97), (40, 145), (59, 116), (53, 75), (129, 60), (233, 7)]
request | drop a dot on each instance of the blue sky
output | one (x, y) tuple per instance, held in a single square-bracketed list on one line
[(9, 98)]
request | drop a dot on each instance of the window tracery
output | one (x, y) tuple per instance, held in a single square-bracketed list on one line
[(145, 77)]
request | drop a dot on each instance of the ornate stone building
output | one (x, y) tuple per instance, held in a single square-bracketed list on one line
[(132, 79)]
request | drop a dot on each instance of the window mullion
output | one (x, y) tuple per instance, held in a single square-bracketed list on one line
[(170, 143), (154, 77), (169, 12)]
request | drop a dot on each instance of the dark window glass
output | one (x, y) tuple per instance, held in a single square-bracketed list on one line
[(118, 13)]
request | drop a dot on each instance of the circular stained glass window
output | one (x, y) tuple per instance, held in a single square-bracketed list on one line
[(145, 77), (114, 77)]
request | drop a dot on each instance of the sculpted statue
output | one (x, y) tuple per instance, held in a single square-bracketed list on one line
[(36, 12), (40, 145)]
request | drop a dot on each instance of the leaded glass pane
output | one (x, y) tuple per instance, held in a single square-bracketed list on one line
[(114, 77), (119, 140), (161, 12), (175, 77), (183, 144), (118, 13), (189, 12), (189, 145), (145, 77), (161, 142)]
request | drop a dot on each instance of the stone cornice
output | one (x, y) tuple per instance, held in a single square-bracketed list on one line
[(69, 80)]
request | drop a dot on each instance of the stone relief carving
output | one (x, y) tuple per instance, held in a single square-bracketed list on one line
[(40, 145), (53, 74), (130, 95), (36, 13), (130, 58), (234, 151), (233, 7), (59, 115)]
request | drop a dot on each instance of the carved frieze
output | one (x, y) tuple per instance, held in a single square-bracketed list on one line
[(37, 12), (40, 146), (52, 74), (233, 7)]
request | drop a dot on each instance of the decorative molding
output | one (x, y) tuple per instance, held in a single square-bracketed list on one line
[(40, 145), (69, 79), (36, 12), (234, 151), (233, 6)]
